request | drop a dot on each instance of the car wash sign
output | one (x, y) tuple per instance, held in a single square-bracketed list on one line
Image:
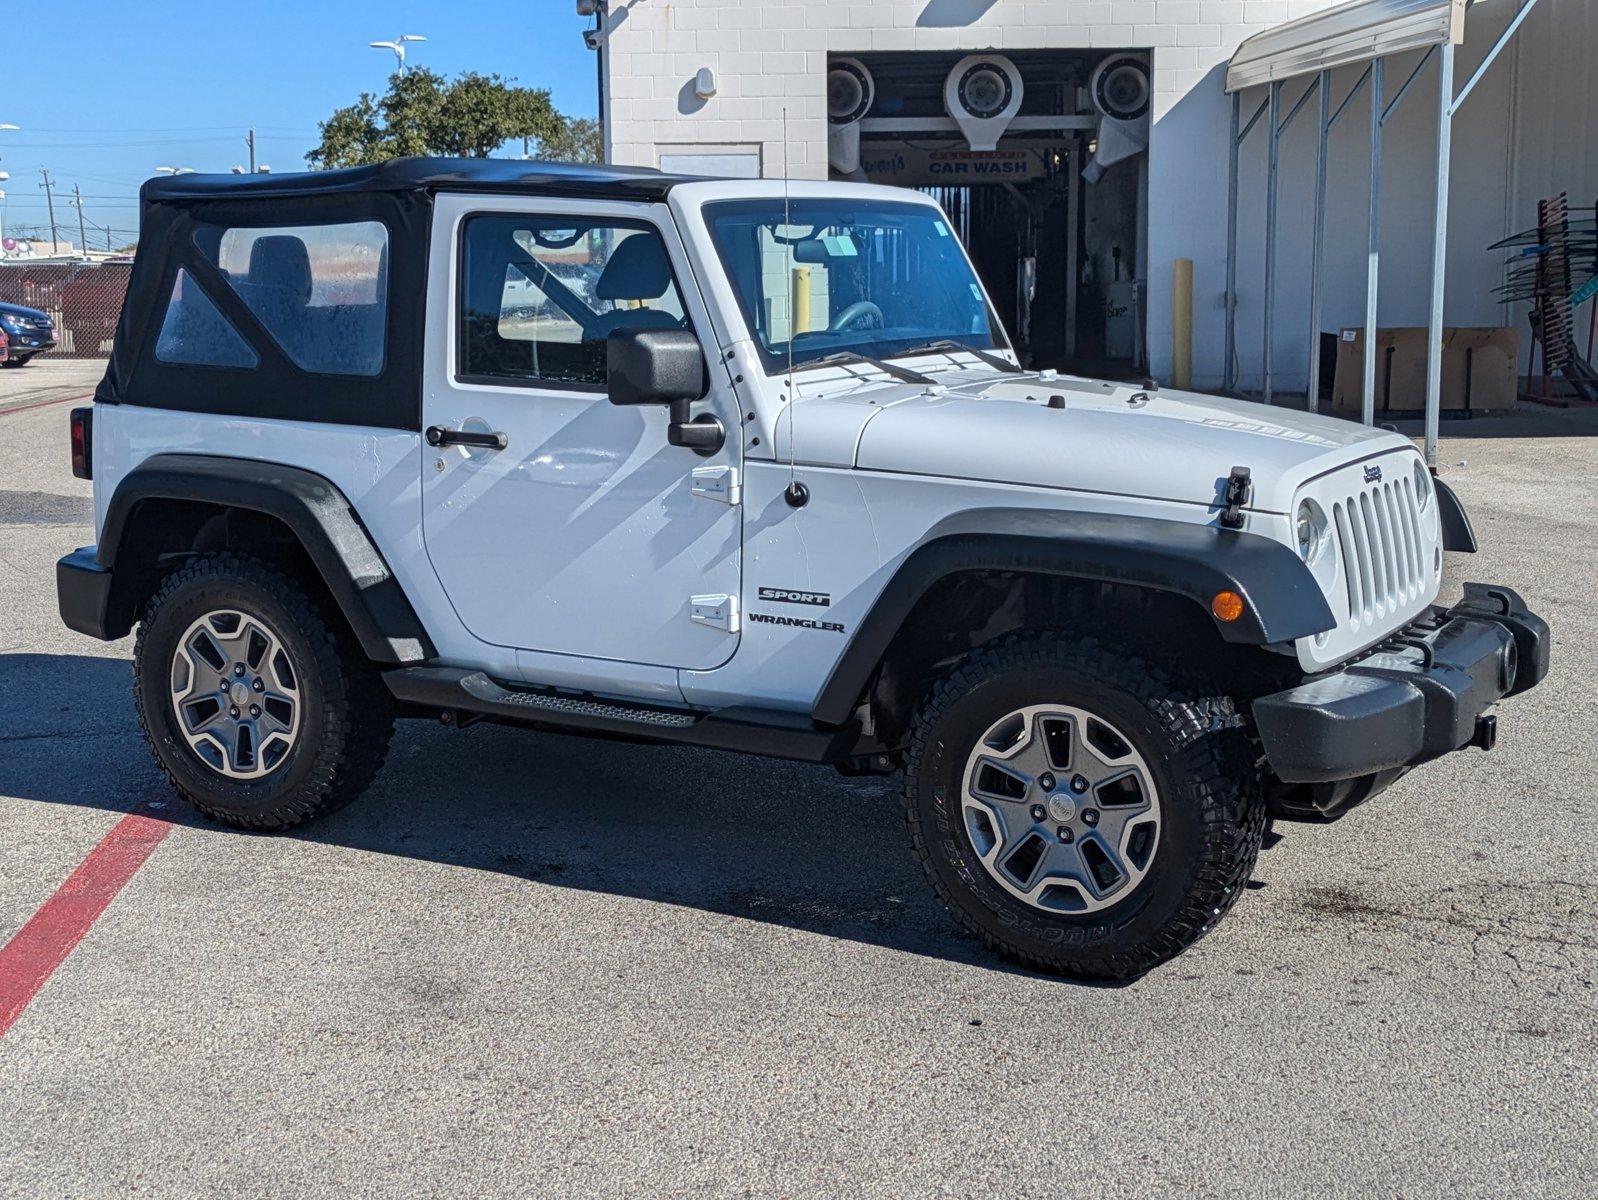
[(906, 166)]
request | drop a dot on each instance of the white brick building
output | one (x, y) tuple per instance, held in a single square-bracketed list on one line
[(1528, 131)]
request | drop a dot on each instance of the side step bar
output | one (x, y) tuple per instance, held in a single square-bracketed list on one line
[(774, 733)]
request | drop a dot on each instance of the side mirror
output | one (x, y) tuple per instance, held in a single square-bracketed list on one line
[(664, 366), (654, 366)]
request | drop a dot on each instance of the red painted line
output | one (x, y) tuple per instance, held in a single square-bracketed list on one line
[(29, 959), (6, 412)]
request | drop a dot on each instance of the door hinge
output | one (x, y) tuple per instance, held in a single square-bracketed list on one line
[(717, 611), (718, 483)]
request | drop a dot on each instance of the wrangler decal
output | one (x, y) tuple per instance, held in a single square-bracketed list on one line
[(797, 622)]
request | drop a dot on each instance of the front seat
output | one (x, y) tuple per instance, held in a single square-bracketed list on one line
[(638, 271), (278, 289)]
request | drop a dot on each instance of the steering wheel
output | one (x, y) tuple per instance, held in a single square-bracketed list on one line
[(855, 311)]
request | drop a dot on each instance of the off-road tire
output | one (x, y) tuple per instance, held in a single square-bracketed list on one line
[(1202, 762), (347, 718)]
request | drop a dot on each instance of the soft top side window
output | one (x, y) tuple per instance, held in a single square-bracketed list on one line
[(194, 333), (320, 291), (540, 295)]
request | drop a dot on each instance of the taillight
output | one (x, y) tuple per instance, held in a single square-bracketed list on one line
[(83, 443)]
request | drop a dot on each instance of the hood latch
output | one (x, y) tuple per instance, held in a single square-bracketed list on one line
[(1239, 491)]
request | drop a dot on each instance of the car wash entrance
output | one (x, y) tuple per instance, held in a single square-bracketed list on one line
[(1040, 159)]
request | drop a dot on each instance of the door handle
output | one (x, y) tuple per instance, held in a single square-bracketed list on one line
[(437, 435)]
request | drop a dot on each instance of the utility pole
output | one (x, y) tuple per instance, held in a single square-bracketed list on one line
[(250, 141), (83, 237), (49, 202)]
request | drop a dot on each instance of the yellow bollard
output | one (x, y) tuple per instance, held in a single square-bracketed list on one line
[(1182, 322), (801, 300)]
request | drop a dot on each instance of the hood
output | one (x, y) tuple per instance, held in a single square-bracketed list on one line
[(1066, 432), (21, 310)]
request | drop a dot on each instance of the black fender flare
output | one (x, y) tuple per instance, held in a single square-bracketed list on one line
[(315, 511), (1457, 532), (1281, 600)]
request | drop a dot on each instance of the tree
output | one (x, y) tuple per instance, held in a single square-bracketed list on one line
[(580, 141), (471, 117)]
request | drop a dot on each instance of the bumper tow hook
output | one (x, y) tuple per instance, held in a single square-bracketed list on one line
[(1486, 732)]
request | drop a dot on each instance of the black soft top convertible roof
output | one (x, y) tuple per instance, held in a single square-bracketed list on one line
[(184, 218), (425, 175)]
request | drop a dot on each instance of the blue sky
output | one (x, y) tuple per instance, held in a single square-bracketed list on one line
[(107, 91)]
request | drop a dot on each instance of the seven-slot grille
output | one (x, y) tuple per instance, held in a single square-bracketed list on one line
[(1382, 550)]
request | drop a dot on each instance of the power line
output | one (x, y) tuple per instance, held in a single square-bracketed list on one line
[(130, 198), (172, 141), (282, 129)]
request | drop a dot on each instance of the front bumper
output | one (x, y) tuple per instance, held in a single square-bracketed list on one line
[(30, 343), (1422, 694)]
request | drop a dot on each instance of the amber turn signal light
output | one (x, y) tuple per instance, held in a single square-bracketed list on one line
[(1227, 606)]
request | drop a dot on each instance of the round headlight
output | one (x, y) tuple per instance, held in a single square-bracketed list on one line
[(1310, 526), (1423, 486)]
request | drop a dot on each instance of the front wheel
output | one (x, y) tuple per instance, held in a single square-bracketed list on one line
[(254, 697), (1081, 811)]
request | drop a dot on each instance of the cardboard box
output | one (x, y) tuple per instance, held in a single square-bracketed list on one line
[(1478, 370)]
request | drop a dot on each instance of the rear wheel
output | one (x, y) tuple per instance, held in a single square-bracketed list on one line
[(256, 702), (1080, 810)]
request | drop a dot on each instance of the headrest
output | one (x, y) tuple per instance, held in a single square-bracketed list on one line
[(637, 270), (281, 261)]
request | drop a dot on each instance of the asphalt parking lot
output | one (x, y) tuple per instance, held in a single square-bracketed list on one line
[(534, 965)]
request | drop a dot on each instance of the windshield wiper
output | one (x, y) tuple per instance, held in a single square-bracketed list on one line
[(846, 357), (949, 346)]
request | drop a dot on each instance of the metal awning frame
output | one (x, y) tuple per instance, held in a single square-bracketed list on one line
[(1320, 44)]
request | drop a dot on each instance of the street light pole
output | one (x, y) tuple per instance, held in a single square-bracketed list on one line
[(397, 47)]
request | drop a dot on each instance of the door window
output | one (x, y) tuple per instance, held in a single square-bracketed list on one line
[(539, 295)]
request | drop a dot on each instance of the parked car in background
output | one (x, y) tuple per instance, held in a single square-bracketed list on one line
[(30, 331), (4, 346)]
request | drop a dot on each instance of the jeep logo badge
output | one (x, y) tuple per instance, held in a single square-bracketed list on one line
[(1373, 474)]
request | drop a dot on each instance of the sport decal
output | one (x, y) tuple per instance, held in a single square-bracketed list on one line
[(794, 596)]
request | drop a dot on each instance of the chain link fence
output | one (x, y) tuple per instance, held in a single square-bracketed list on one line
[(85, 298)]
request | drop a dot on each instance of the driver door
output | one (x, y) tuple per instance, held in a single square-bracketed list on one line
[(587, 533)]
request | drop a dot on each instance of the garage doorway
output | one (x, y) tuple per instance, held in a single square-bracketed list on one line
[(1043, 173)]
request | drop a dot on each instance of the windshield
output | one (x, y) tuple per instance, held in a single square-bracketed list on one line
[(872, 277)]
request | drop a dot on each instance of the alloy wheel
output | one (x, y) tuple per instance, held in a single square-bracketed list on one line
[(1061, 809), (235, 694)]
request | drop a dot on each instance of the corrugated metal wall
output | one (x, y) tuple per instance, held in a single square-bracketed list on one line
[(1529, 130)]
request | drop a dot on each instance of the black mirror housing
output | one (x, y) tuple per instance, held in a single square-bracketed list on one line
[(655, 366)]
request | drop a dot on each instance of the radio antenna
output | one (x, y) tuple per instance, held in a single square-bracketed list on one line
[(796, 494)]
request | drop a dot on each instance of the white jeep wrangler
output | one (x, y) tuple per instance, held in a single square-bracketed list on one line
[(752, 466)]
